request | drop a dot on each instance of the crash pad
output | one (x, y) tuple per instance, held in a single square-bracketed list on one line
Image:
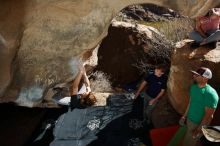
[(162, 136)]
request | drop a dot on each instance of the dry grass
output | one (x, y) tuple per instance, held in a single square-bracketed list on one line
[(174, 30), (99, 82)]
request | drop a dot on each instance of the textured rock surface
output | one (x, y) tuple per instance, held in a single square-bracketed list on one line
[(185, 59), (148, 13), (42, 38), (122, 57), (54, 33), (164, 114), (11, 29)]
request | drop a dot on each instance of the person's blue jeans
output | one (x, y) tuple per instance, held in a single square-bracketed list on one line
[(213, 36)]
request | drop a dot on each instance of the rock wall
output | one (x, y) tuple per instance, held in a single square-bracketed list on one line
[(11, 30), (43, 38), (183, 60), (54, 35)]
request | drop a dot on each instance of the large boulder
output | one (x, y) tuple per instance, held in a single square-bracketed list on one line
[(44, 37), (183, 60), (123, 58)]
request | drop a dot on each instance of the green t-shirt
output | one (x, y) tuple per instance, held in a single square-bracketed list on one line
[(199, 99)]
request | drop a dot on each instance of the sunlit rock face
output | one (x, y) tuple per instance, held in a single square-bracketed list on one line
[(185, 59), (42, 38), (54, 35)]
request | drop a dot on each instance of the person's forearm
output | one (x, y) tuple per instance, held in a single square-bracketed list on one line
[(182, 120), (187, 109), (76, 82), (198, 29), (206, 120), (201, 32), (86, 80), (186, 112), (160, 94), (143, 84)]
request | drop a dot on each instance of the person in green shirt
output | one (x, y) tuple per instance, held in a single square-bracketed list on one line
[(201, 107)]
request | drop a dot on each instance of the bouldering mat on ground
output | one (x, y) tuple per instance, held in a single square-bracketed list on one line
[(162, 136)]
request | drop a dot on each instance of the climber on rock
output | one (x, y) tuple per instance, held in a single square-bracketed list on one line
[(84, 99)]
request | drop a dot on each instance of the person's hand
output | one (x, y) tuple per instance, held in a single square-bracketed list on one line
[(152, 101), (136, 95), (182, 121), (196, 133)]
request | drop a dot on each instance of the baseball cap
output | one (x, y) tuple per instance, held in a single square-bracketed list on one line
[(204, 72)]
